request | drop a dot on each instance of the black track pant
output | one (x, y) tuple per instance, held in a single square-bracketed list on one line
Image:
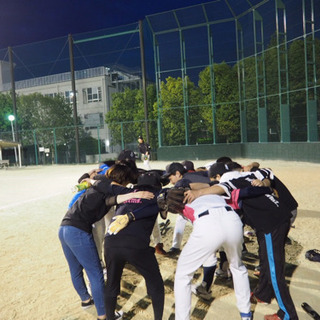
[(146, 263), (272, 283)]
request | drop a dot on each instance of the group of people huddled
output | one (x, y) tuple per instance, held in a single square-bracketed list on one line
[(111, 222)]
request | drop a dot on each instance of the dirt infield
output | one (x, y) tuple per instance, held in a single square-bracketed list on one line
[(35, 278)]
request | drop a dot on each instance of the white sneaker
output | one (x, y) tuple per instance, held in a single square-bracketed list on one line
[(118, 315), (105, 274), (201, 291), (223, 274)]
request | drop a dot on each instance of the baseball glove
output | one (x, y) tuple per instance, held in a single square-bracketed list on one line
[(175, 197), (120, 222), (313, 255), (162, 204)]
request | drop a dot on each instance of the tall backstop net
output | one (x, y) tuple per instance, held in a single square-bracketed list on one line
[(245, 71), (221, 72)]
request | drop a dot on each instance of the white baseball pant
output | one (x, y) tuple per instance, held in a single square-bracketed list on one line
[(219, 228), (179, 227)]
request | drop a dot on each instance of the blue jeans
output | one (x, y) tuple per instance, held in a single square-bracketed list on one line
[(81, 253)]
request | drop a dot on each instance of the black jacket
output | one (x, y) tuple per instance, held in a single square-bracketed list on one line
[(89, 208), (137, 233)]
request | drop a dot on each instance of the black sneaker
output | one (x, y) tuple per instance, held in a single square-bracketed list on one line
[(86, 305), (174, 251), (118, 315)]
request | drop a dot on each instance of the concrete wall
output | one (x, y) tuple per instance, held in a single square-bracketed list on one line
[(294, 151)]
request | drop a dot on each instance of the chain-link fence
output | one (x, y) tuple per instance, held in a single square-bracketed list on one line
[(224, 72)]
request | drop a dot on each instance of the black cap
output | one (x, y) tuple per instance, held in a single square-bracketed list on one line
[(149, 179), (173, 168), (127, 155), (234, 166), (140, 137), (188, 165), (218, 168), (224, 159)]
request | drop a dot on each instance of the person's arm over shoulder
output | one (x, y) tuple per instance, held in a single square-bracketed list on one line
[(191, 195), (251, 192)]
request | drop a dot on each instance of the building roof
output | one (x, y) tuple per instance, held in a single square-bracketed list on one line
[(8, 144)]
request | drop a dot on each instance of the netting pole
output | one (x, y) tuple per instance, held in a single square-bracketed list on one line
[(184, 80), (283, 71), (310, 70), (156, 58), (55, 146), (122, 138), (144, 85), (260, 76), (158, 87), (241, 83), (35, 146), (212, 79), (13, 94), (74, 97), (99, 148)]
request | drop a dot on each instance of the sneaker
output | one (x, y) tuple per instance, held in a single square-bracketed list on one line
[(201, 291), (272, 317), (223, 274), (256, 271), (255, 300), (105, 274), (174, 251), (86, 305), (117, 315), (246, 316), (159, 249)]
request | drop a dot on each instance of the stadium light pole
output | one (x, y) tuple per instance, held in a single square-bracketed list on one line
[(11, 118)]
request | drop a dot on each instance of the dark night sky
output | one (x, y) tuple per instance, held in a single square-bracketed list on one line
[(27, 21)]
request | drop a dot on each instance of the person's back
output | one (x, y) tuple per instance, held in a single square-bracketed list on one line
[(131, 245), (88, 209), (262, 212), (139, 232)]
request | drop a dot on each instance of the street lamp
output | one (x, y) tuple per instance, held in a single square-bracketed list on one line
[(11, 118)]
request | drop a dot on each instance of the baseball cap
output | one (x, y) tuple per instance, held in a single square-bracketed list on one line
[(188, 165), (149, 179), (218, 168), (224, 159), (173, 168), (127, 155), (234, 166), (140, 137)]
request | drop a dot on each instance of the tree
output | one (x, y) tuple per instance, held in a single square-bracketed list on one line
[(174, 106), (126, 116), (224, 97), (6, 109), (46, 121), (39, 111)]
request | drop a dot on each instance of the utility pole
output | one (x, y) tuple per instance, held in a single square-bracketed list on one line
[(74, 97)]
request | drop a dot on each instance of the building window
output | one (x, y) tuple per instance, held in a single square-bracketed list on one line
[(51, 95), (68, 95), (92, 95)]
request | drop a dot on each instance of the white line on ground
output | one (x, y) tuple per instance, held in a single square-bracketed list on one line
[(16, 204)]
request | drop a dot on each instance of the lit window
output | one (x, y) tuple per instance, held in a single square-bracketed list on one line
[(92, 94)]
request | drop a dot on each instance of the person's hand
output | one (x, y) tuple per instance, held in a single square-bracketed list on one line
[(251, 165), (190, 195), (257, 183), (88, 180), (94, 172)]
